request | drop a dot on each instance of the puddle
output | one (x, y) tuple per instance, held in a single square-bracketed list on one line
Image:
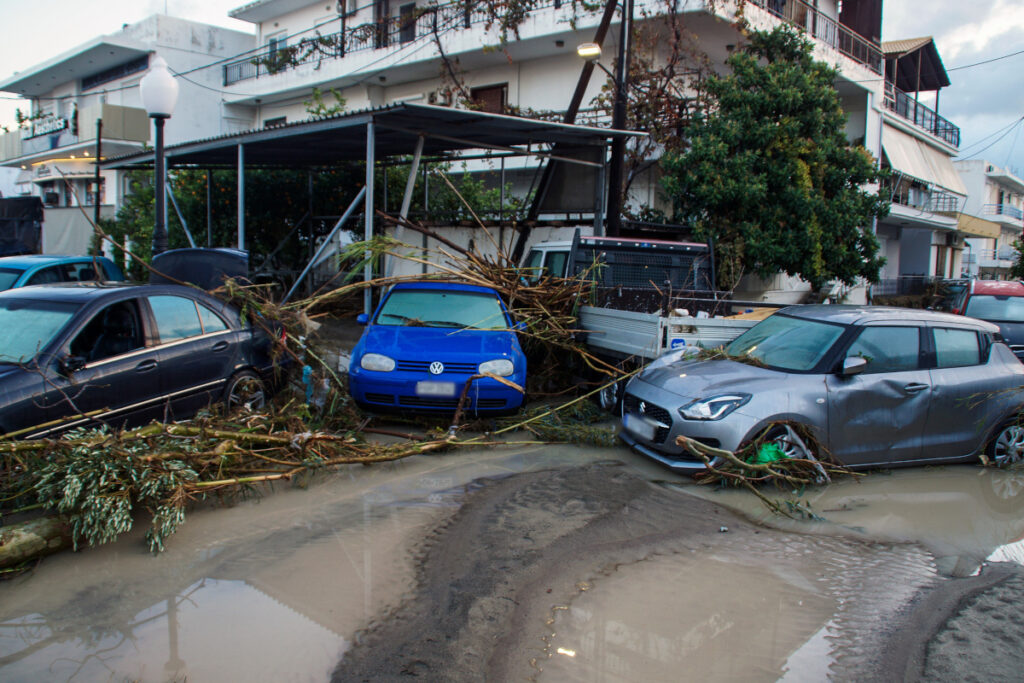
[(273, 589), (966, 515)]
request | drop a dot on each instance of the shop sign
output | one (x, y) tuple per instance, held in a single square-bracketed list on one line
[(44, 126)]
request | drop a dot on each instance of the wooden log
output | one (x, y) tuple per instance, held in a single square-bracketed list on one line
[(33, 539)]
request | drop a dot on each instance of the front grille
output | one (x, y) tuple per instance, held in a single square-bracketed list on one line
[(424, 366), (631, 404), (490, 403), (428, 402), (380, 398)]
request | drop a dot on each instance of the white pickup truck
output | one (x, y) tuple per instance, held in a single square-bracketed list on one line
[(637, 276)]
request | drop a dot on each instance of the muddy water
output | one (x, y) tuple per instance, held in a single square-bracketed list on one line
[(270, 590), (965, 515), (587, 573)]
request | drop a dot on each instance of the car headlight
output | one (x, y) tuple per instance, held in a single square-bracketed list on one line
[(713, 408), (502, 367), (377, 362)]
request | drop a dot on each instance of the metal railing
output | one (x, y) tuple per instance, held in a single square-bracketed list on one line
[(908, 193), (906, 106), (826, 29), (1003, 210), (390, 32), (905, 285)]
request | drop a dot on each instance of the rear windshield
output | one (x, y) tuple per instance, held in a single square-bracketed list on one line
[(786, 343), (8, 276), (443, 308), (991, 307), (27, 326)]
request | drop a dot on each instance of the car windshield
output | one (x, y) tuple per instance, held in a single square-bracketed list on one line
[(27, 326), (991, 307), (786, 343), (443, 308), (8, 276)]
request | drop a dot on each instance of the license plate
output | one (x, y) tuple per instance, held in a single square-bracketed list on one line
[(639, 426), (435, 388)]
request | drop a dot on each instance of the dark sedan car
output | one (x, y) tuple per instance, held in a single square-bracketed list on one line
[(134, 351), (875, 386)]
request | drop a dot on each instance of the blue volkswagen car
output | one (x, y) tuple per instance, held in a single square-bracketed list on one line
[(426, 340), (44, 269)]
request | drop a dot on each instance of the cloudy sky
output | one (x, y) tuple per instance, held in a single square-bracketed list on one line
[(985, 101)]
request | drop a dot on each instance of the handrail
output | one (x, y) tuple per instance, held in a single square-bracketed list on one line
[(909, 108)]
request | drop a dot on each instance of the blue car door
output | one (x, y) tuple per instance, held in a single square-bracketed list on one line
[(198, 352)]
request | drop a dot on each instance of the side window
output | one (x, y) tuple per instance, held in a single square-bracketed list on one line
[(45, 276), (556, 263), (111, 332), (176, 318), (83, 272), (956, 348), (888, 349), (211, 321)]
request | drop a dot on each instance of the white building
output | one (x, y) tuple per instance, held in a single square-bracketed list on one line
[(995, 197), (96, 84), (922, 237)]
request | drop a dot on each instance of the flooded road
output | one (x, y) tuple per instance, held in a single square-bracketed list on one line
[(539, 563)]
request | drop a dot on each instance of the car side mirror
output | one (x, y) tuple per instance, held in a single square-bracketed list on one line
[(71, 364), (362, 318), (853, 365)]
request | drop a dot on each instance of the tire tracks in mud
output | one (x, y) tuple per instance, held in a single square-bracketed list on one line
[(494, 577)]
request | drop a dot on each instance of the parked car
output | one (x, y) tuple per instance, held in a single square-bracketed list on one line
[(1000, 302), (43, 269), (875, 387), (426, 340), (136, 351)]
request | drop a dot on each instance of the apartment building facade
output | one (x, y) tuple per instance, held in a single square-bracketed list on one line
[(92, 90), (995, 199)]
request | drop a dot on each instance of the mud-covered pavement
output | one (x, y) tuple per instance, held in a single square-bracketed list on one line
[(543, 563)]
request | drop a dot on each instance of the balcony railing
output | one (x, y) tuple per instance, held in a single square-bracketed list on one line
[(915, 196), (389, 32), (906, 106), (906, 285), (827, 30), (1003, 210)]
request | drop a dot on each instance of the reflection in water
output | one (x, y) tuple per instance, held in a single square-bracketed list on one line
[(964, 514)]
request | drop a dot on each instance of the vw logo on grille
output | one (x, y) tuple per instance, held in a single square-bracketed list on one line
[(643, 407), (436, 368)]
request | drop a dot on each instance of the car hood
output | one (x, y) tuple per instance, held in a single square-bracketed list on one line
[(703, 379), (436, 343)]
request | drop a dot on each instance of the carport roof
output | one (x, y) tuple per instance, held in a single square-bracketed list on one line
[(331, 140)]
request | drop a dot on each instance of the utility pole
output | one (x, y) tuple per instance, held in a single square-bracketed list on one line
[(615, 168)]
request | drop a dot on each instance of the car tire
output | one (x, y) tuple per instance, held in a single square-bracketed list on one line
[(780, 436), (245, 389), (609, 399), (1007, 446)]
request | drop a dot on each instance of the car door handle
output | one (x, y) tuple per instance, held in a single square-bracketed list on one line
[(146, 366), (915, 388), (220, 346)]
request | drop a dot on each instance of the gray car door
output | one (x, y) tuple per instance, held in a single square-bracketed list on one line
[(878, 417), (969, 392)]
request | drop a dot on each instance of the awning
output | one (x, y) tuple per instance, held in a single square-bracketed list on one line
[(977, 227), (912, 157)]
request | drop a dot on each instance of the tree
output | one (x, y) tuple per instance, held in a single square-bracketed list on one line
[(768, 174)]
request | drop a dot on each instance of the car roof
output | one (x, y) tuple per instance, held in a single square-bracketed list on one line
[(34, 260), (443, 285), (846, 314), (998, 287), (84, 292)]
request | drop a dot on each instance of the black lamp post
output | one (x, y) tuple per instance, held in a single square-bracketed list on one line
[(159, 95)]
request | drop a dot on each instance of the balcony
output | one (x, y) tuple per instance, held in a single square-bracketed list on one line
[(916, 196), (906, 106), (441, 19), (1012, 213), (1004, 257), (826, 29)]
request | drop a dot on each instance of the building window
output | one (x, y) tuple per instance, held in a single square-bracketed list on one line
[(277, 42), (275, 122), (407, 23), (490, 99), (116, 72), (90, 192)]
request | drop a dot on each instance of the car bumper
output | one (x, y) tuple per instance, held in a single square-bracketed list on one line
[(377, 391), (653, 431)]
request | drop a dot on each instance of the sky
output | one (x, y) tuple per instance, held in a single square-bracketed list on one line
[(985, 101)]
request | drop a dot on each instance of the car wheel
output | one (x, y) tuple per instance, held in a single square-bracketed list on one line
[(1007, 448), (784, 437), (245, 390), (610, 396)]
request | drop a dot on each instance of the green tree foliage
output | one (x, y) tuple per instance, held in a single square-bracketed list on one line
[(768, 173)]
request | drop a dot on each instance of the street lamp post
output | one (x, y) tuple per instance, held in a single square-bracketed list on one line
[(159, 95)]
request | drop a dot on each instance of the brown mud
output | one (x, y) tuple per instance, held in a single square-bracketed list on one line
[(548, 564)]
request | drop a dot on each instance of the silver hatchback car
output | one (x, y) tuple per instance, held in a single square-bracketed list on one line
[(875, 387)]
